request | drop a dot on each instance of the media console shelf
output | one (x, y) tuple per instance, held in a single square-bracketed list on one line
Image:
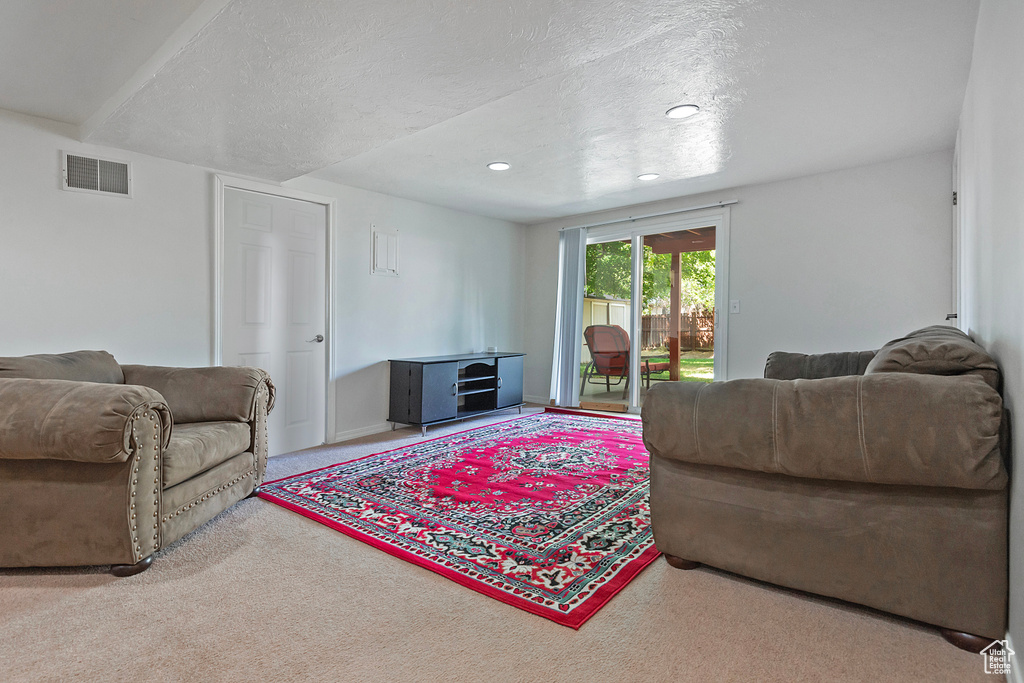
[(436, 389)]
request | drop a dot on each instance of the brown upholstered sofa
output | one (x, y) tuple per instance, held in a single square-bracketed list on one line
[(92, 470), (873, 477)]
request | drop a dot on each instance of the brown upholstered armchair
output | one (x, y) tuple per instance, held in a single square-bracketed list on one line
[(106, 464), (873, 477)]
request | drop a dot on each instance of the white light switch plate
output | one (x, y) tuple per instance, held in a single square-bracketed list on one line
[(734, 305)]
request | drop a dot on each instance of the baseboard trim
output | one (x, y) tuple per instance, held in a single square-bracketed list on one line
[(1015, 675), (361, 431), (542, 400)]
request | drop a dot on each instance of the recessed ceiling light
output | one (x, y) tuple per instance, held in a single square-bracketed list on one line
[(647, 176), (682, 111), (499, 165)]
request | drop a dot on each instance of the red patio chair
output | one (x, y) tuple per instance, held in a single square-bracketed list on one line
[(609, 352)]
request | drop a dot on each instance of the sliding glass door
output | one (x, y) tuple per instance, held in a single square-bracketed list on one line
[(606, 325), (651, 307)]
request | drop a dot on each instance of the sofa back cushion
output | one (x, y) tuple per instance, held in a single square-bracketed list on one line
[(900, 429), (77, 366), (785, 365), (936, 350)]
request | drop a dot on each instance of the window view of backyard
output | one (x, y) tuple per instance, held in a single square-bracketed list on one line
[(676, 323)]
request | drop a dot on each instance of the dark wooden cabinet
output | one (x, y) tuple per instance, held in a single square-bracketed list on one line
[(437, 389), (510, 381), (436, 383)]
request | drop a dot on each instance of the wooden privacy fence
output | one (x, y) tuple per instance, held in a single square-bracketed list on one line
[(696, 331)]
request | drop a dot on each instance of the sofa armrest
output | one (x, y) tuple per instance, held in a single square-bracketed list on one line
[(784, 365), (81, 421), (211, 394), (890, 428)]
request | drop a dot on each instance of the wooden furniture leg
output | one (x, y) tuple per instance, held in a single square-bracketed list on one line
[(966, 641), (131, 569), (680, 563)]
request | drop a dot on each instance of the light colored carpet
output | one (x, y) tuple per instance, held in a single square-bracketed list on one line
[(262, 593)]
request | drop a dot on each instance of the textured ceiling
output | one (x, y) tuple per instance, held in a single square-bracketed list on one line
[(61, 59), (413, 99), (276, 90), (783, 93)]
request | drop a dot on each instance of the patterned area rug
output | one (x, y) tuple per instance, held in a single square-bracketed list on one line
[(547, 512)]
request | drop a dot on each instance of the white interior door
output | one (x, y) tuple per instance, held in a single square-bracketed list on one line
[(274, 307)]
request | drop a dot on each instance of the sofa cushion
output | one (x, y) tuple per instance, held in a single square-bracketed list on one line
[(784, 365), (77, 366), (198, 446), (884, 428), (205, 394), (936, 350)]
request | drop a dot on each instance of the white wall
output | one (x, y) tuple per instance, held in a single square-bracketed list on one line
[(84, 271), (992, 192), (836, 261), (134, 276), (460, 289)]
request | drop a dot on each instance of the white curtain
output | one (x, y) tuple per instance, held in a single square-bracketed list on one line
[(565, 370)]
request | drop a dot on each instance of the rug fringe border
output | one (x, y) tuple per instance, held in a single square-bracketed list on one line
[(574, 620), (598, 599)]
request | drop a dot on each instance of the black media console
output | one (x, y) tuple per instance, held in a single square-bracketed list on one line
[(436, 389)]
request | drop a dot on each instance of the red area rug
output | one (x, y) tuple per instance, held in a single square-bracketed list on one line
[(547, 512)]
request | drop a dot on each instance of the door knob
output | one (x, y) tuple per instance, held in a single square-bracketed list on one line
[(317, 339)]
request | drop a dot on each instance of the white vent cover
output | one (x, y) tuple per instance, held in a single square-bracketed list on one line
[(385, 253), (103, 176)]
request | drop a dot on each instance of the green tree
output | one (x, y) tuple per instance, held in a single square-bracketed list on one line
[(609, 267), (698, 276)]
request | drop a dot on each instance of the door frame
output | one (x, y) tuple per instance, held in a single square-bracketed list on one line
[(957, 242), (719, 218), (223, 183)]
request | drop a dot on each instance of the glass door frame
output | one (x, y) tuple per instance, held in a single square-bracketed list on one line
[(635, 231)]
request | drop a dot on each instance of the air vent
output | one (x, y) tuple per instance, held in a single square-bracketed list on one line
[(103, 176)]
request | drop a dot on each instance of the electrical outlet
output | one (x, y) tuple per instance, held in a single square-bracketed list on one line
[(734, 305)]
